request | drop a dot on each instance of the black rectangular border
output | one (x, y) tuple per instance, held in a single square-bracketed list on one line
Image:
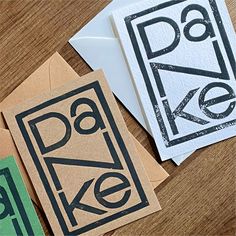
[(128, 21), (96, 86)]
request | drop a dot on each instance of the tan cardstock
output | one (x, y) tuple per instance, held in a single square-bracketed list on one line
[(81, 158), (54, 73)]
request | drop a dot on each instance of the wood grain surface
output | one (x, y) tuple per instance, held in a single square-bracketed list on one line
[(199, 197)]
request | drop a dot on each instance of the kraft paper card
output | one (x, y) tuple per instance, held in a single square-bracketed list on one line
[(81, 158), (155, 172), (17, 214), (182, 58), (54, 73)]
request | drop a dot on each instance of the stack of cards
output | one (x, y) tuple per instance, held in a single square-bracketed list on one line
[(79, 162), (182, 60), (87, 169), (182, 63)]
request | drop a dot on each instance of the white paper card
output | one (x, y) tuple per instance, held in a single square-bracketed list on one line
[(97, 38), (182, 58)]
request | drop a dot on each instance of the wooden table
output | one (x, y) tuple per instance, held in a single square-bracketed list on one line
[(199, 196)]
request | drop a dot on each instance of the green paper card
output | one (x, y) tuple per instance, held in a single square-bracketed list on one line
[(17, 214)]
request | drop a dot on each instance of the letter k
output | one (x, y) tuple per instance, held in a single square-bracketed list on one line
[(178, 112)]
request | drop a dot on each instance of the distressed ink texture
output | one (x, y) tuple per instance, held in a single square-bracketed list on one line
[(189, 96), (85, 166)]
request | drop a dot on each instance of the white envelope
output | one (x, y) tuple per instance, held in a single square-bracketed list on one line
[(100, 48)]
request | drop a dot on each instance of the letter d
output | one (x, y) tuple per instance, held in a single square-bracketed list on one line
[(145, 40), (43, 148)]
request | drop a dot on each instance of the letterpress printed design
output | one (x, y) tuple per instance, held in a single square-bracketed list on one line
[(81, 159), (182, 57), (17, 214)]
